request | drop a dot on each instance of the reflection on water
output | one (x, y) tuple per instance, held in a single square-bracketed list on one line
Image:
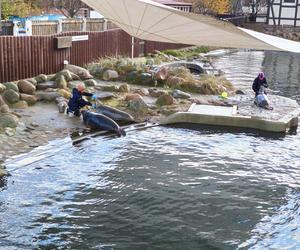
[(160, 188)]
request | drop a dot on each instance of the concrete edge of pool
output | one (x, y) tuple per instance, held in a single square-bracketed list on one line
[(228, 116)]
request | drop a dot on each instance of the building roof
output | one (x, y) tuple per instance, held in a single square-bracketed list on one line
[(172, 2)]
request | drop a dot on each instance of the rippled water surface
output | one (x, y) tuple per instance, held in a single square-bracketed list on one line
[(160, 188)]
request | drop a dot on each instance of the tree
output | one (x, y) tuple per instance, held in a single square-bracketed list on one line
[(21, 8), (212, 7), (69, 8)]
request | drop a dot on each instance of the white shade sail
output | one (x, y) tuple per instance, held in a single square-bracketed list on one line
[(152, 21)]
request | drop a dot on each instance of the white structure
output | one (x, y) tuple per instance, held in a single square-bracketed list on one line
[(284, 12)]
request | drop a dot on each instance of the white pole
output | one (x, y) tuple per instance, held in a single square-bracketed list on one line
[(132, 48)]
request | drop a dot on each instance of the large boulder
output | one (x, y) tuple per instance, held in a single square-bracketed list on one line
[(131, 97), (124, 88), (74, 77), (11, 85), (164, 100), (142, 91), (157, 92), (134, 77), (11, 96), (180, 94), (139, 106), (30, 99), (162, 73), (2, 102), (90, 83), (110, 88), (2, 88), (174, 81), (110, 75), (81, 72), (20, 105), (4, 108), (46, 85), (61, 82), (65, 73), (26, 87), (32, 80), (47, 96), (41, 78), (65, 93), (8, 120)]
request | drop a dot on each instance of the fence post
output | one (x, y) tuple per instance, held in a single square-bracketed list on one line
[(105, 25), (28, 26), (15, 28), (59, 26), (83, 27)]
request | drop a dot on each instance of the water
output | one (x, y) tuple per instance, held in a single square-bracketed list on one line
[(161, 188)]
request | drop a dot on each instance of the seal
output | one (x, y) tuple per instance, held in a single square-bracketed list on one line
[(117, 115), (101, 122)]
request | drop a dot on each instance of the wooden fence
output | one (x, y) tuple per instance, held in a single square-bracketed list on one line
[(41, 28), (27, 56)]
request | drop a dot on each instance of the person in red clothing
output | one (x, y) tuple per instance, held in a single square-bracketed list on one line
[(77, 101)]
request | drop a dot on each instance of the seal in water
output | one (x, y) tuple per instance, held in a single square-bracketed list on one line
[(115, 114), (100, 121)]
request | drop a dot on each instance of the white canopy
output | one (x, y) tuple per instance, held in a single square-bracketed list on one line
[(149, 20)]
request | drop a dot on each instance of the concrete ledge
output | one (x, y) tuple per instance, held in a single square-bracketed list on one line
[(232, 120)]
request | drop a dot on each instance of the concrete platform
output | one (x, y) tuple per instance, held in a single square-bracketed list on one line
[(230, 116)]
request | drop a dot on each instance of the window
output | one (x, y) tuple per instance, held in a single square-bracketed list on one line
[(289, 1)]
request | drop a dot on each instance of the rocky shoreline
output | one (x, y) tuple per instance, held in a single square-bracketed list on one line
[(32, 111)]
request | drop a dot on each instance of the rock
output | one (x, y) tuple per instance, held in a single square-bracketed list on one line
[(8, 120), (110, 88), (51, 77), (3, 172), (90, 83), (164, 100), (2, 88), (138, 105), (30, 99), (74, 77), (26, 87), (174, 81), (60, 99), (156, 92), (32, 80), (142, 91), (20, 105), (11, 96), (81, 72), (65, 73), (9, 131), (62, 106), (47, 96), (124, 88), (41, 78), (61, 82), (4, 108), (150, 61), (162, 73), (65, 93), (110, 75), (131, 97), (46, 85), (2, 102), (21, 127), (180, 94), (240, 92), (146, 79), (11, 85)]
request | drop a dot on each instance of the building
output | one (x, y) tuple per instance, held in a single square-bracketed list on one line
[(284, 12), (186, 7)]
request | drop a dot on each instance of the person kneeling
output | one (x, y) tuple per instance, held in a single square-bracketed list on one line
[(77, 101)]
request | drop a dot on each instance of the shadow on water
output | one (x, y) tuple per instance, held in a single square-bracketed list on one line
[(213, 129)]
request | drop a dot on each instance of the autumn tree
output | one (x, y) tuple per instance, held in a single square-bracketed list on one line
[(212, 7), (21, 8)]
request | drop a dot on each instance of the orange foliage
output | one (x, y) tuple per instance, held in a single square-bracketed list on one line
[(214, 6)]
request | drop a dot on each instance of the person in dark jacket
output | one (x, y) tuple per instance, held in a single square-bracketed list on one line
[(260, 80), (77, 102)]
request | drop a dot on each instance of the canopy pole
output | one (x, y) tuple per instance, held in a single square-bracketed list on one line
[(132, 48)]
